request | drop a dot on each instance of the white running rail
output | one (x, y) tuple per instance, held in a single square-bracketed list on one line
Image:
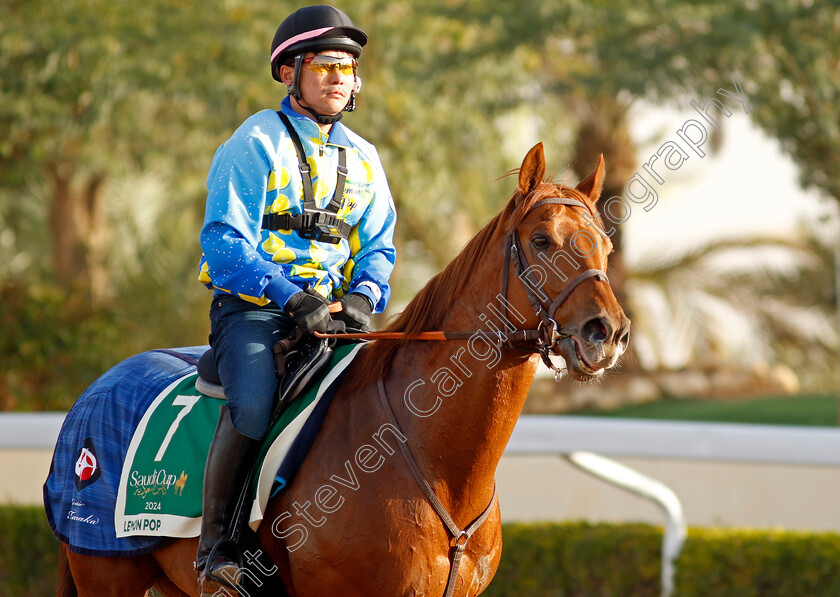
[(571, 437), (584, 441), (626, 478)]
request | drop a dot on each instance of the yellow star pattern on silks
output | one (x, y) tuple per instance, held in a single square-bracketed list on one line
[(369, 172), (320, 184), (257, 300), (306, 270), (313, 166), (348, 275), (320, 188), (321, 139), (279, 206), (276, 247), (323, 289)]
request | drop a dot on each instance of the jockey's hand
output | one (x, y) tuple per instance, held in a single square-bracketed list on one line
[(309, 310), (356, 310)]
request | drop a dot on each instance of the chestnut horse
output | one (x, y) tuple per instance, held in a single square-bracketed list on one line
[(406, 456)]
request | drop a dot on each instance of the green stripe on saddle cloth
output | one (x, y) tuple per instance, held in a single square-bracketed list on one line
[(163, 473)]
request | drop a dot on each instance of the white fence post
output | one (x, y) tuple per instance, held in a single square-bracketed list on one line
[(635, 482)]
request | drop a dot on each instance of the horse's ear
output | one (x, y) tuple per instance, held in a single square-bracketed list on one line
[(593, 184), (532, 171)]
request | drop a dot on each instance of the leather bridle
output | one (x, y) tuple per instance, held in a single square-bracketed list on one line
[(541, 340), (546, 336), (548, 331)]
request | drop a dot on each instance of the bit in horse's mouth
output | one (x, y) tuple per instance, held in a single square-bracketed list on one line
[(576, 362)]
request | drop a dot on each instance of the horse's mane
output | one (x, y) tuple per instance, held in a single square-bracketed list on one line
[(426, 311)]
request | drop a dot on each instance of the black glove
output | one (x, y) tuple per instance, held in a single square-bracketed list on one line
[(309, 310), (356, 310)]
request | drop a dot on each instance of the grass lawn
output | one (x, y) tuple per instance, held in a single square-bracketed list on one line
[(806, 409)]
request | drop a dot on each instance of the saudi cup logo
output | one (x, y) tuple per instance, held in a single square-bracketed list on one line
[(87, 466)]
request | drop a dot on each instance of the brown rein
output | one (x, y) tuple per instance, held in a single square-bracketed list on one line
[(518, 336)]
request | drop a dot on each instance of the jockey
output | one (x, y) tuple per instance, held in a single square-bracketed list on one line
[(298, 214)]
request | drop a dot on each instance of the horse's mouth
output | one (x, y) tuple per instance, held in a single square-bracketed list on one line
[(576, 362)]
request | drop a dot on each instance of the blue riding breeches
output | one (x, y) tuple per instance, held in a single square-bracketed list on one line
[(243, 335)]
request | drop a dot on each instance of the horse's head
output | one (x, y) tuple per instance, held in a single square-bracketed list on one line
[(562, 251)]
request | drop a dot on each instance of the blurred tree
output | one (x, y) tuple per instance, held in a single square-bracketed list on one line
[(111, 111), (597, 60), (100, 90), (784, 51), (785, 55), (744, 300)]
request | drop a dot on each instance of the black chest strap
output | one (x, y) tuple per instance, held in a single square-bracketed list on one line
[(306, 171), (320, 224), (308, 224)]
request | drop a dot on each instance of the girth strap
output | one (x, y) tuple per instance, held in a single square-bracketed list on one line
[(460, 537)]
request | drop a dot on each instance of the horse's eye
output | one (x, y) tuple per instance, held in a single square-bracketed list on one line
[(540, 241)]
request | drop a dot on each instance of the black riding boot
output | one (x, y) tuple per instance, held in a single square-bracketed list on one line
[(228, 463)]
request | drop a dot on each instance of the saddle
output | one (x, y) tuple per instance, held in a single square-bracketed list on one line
[(298, 360)]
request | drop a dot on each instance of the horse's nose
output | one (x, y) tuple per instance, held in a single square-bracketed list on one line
[(605, 329)]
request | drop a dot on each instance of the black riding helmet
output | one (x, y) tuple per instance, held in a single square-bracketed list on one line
[(315, 29)]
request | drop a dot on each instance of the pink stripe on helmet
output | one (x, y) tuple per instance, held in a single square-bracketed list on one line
[(297, 38)]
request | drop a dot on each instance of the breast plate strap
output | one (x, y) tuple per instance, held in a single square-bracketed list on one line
[(459, 537)]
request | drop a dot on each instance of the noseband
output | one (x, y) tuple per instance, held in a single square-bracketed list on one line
[(548, 331)]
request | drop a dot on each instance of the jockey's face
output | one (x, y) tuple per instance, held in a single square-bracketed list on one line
[(326, 81)]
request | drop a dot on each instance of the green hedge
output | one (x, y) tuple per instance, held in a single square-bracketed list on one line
[(551, 560), (603, 560), (28, 553), (750, 563), (577, 559)]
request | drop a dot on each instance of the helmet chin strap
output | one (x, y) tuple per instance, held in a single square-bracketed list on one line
[(294, 91), (322, 118)]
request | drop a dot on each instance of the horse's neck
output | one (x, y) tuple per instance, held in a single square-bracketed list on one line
[(458, 403)]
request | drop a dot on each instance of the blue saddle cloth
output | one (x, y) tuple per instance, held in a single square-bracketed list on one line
[(84, 479), (92, 445)]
